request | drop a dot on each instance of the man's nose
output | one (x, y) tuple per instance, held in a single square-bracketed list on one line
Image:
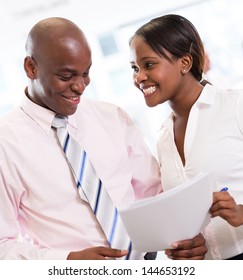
[(78, 85)]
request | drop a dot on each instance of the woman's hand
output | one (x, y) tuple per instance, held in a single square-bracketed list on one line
[(225, 207)]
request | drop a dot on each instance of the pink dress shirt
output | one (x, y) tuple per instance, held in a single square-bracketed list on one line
[(41, 213)]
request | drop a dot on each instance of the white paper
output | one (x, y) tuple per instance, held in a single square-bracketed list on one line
[(153, 224)]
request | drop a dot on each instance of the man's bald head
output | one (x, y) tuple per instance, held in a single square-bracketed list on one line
[(50, 32)]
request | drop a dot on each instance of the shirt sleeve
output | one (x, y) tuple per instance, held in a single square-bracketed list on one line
[(11, 245), (145, 168)]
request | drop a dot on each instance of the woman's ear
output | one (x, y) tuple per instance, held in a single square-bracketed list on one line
[(30, 67), (186, 63)]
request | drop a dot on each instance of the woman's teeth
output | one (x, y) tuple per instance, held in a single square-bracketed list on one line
[(149, 90)]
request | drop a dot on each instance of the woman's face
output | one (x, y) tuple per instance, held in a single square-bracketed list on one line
[(158, 78)]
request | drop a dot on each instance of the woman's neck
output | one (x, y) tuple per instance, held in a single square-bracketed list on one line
[(183, 102)]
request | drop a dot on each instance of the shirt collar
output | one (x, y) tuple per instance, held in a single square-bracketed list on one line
[(42, 116), (206, 97)]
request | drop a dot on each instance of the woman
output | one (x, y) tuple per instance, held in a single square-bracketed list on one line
[(204, 131)]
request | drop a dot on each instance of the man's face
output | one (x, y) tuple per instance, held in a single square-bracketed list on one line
[(61, 75)]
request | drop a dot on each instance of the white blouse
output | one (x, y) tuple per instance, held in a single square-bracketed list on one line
[(213, 143)]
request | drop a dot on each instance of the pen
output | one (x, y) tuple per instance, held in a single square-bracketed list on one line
[(224, 189)]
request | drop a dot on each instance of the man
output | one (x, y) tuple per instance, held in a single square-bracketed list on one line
[(39, 198)]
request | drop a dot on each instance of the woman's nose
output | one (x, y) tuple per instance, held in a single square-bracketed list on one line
[(140, 76)]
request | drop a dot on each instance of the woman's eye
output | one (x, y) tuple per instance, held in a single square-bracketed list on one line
[(149, 64), (134, 68)]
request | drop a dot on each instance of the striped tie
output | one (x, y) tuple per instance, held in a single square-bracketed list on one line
[(92, 190)]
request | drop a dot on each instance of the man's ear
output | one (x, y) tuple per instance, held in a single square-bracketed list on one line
[(30, 67), (186, 63)]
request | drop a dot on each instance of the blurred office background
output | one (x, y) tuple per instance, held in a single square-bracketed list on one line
[(108, 25)]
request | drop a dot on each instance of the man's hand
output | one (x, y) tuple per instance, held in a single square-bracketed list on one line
[(191, 249), (97, 253), (225, 207)]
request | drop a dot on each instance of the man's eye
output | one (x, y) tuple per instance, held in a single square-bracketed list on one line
[(65, 78), (85, 74)]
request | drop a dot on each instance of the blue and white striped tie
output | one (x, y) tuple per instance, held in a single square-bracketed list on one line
[(92, 190)]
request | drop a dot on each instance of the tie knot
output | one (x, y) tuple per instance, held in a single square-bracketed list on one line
[(59, 121)]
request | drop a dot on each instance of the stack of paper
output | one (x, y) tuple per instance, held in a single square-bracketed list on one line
[(153, 224)]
